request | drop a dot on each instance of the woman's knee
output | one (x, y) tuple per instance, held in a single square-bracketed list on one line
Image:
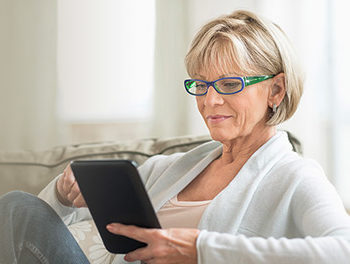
[(26, 209), (16, 196), (17, 200)]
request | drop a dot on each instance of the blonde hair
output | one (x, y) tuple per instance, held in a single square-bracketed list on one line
[(256, 46)]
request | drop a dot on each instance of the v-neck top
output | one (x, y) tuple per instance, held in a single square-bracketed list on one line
[(181, 214)]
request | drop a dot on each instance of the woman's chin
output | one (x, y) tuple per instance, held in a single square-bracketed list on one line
[(222, 136)]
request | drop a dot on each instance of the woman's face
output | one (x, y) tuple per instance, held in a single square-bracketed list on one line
[(229, 117)]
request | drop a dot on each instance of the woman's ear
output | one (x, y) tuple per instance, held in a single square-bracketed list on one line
[(277, 90)]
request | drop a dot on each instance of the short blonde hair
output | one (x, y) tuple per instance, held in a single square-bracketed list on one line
[(256, 46)]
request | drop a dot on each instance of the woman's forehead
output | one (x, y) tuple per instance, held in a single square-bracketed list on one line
[(213, 68), (213, 73), (219, 70)]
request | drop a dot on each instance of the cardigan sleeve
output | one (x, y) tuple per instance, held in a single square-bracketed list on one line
[(69, 215), (218, 248), (319, 215)]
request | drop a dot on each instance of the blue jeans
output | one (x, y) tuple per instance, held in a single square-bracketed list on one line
[(32, 232)]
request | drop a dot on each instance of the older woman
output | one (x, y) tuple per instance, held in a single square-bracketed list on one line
[(245, 197)]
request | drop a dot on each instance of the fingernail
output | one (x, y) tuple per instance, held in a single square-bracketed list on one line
[(112, 226)]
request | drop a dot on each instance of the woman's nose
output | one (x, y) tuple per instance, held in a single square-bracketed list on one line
[(213, 97)]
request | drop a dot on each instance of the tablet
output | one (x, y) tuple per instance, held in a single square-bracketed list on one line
[(114, 192)]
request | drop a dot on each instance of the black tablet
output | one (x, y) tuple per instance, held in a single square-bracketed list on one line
[(114, 192)]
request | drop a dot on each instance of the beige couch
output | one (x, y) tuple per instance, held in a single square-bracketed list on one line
[(32, 171)]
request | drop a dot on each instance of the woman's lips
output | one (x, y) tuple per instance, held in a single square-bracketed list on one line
[(217, 118)]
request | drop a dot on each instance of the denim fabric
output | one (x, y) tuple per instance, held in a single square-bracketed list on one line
[(32, 232)]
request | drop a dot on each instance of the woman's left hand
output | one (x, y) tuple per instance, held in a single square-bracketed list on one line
[(173, 245)]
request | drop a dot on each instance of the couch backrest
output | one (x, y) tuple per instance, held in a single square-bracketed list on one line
[(31, 171)]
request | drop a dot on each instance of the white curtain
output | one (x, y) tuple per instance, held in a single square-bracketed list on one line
[(170, 112), (28, 75), (339, 96)]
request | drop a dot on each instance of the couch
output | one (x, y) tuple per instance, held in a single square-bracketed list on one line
[(31, 171)]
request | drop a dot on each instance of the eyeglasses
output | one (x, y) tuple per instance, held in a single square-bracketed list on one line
[(227, 85)]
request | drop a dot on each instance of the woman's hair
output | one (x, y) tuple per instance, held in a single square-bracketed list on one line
[(252, 45)]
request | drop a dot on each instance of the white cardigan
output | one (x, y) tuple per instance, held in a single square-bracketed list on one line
[(280, 208)]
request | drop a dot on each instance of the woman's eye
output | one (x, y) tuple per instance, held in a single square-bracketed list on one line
[(231, 85), (201, 86)]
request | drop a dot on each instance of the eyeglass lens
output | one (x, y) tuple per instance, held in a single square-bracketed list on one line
[(227, 85)]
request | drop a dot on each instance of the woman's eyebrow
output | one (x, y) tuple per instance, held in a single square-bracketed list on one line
[(221, 76)]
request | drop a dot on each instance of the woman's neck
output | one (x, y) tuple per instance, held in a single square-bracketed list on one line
[(240, 149)]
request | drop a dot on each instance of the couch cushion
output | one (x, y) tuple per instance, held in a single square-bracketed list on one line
[(31, 171)]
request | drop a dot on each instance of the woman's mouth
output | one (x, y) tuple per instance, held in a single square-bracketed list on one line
[(215, 119)]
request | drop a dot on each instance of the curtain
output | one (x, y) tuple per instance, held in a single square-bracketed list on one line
[(170, 111), (28, 75)]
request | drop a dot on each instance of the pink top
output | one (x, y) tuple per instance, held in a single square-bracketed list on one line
[(185, 214)]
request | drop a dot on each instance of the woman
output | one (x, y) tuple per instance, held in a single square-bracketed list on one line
[(249, 197)]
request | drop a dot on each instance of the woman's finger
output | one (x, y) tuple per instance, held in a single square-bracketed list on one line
[(73, 192), (79, 201), (68, 180), (141, 234)]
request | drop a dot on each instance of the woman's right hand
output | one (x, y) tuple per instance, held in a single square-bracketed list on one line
[(68, 192)]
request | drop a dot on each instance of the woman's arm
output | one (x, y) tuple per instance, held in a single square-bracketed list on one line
[(318, 214), (218, 248)]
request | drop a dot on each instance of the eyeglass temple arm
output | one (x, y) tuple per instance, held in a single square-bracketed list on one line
[(255, 79)]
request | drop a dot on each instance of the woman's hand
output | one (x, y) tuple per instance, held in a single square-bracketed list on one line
[(174, 245), (68, 192)]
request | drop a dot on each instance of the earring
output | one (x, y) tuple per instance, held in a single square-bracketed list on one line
[(274, 108)]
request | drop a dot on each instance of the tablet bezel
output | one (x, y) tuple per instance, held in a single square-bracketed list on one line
[(114, 192)]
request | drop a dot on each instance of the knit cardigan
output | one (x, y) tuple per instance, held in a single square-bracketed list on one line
[(279, 208)]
